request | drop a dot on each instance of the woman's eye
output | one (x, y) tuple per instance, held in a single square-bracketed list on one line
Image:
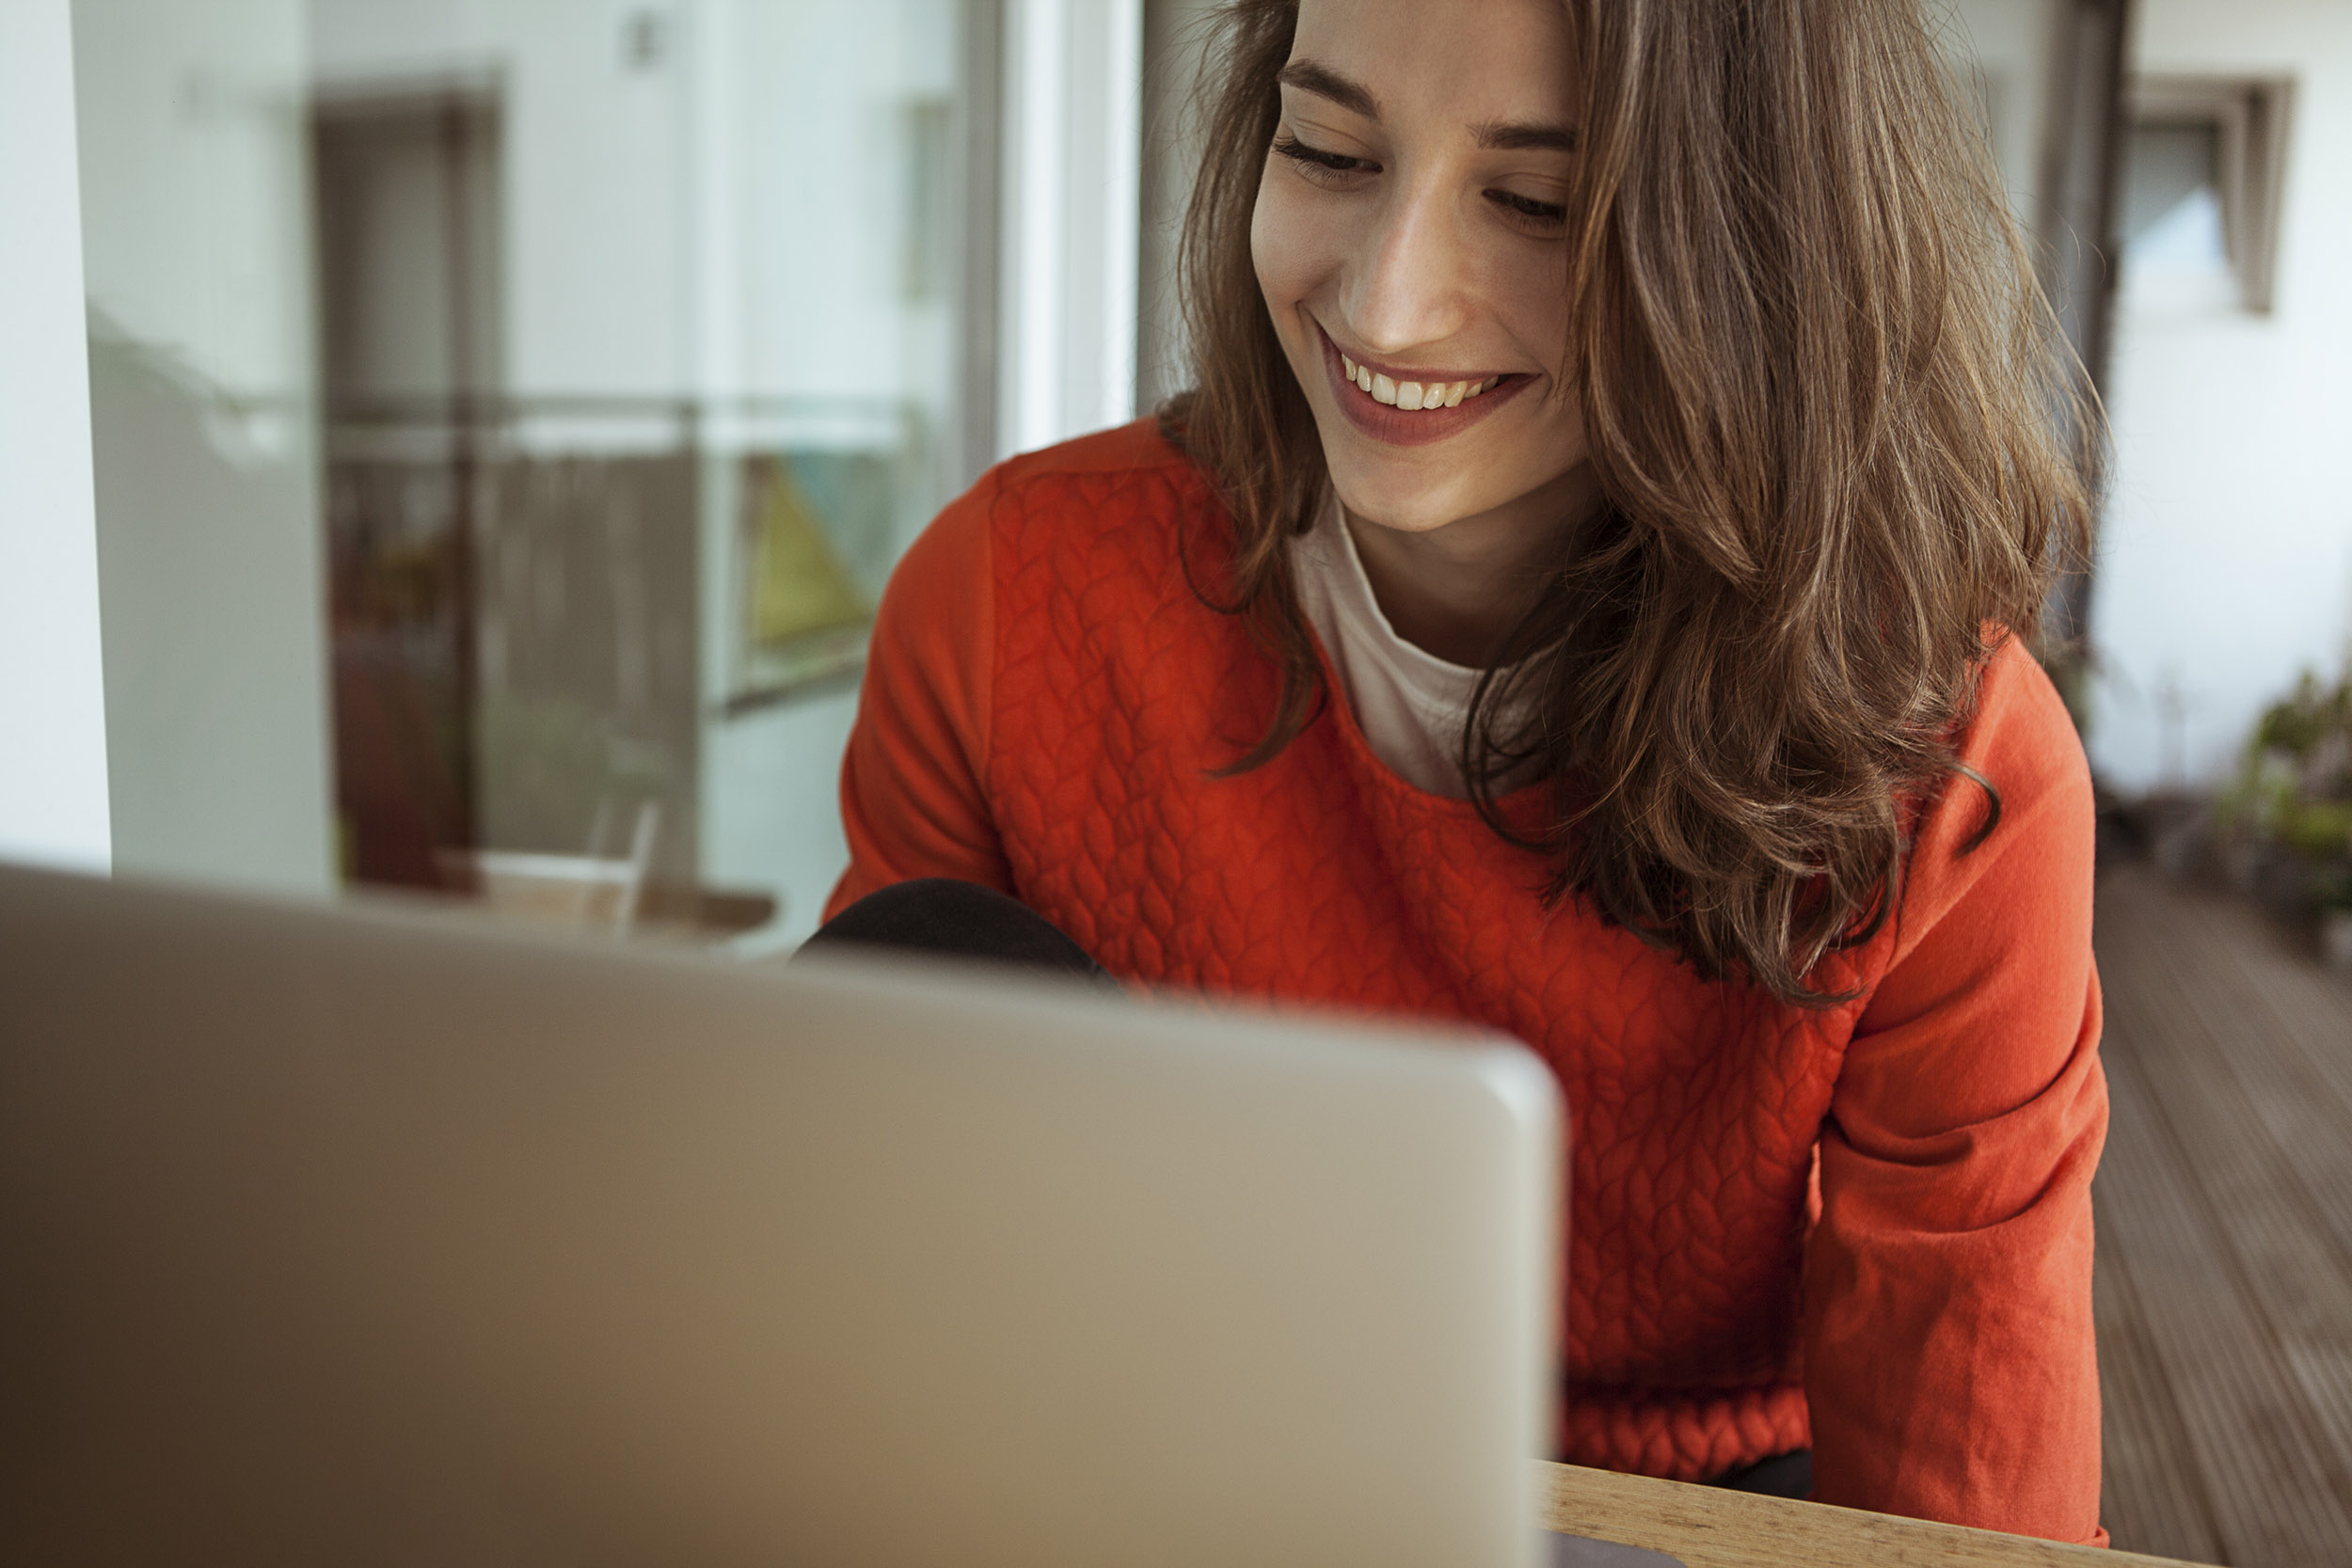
[(1529, 212), (1317, 163)]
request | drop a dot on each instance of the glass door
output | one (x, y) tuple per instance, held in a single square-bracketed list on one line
[(506, 417)]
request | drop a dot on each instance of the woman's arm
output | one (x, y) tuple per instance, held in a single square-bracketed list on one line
[(914, 801), (1949, 1360)]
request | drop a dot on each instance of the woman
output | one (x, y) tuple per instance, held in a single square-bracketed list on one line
[(1584, 593)]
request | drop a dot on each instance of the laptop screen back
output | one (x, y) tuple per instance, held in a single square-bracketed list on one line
[(356, 1237)]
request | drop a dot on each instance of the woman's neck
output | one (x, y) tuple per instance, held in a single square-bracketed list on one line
[(1455, 591)]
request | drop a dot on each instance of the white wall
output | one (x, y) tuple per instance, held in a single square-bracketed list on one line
[(195, 204), (2226, 565), (53, 788), (723, 219), (196, 234), (2004, 49)]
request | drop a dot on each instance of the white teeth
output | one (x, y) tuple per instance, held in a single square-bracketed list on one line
[(1413, 395)]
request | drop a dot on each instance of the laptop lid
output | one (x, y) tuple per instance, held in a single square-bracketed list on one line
[(345, 1235)]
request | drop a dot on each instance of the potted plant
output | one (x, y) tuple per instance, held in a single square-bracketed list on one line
[(2287, 818)]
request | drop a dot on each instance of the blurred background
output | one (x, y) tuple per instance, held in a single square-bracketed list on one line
[(503, 415)]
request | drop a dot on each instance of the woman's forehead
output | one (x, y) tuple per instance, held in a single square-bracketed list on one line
[(1478, 62)]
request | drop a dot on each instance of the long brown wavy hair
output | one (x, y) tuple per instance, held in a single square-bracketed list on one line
[(1841, 444)]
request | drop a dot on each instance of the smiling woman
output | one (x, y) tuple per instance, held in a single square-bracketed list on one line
[(1411, 240), (1586, 589)]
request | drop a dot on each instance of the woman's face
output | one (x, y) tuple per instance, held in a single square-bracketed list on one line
[(1412, 225)]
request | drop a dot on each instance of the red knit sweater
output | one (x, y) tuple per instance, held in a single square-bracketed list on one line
[(1046, 702)]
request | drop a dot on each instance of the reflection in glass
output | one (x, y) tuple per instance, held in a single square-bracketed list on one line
[(544, 393), (203, 416)]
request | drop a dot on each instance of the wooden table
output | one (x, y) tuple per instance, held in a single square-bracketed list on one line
[(1708, 1527)]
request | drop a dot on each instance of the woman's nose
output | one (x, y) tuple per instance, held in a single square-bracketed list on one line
[(1410, 275)]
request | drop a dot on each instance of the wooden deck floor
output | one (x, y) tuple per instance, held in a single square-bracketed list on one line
[(2224, 1211)]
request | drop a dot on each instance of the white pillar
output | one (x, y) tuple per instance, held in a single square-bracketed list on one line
[(1074, 149), (53, 695)]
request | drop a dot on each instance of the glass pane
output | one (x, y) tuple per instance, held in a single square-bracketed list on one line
[(204, 436), (539, 396), (2172, 192)]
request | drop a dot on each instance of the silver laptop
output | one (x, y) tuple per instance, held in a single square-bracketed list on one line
[(364, 1237)]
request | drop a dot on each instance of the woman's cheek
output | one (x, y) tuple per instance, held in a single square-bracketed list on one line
[(1535, 299), (1285, 239), (1265, 244)]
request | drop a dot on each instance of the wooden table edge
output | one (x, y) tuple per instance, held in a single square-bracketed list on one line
[(1710, 1527)]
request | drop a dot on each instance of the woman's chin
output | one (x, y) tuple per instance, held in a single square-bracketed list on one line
[(1380, 511), (1408, 502)]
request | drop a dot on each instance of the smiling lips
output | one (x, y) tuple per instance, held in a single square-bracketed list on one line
[(1412, 395), (1402, 411)]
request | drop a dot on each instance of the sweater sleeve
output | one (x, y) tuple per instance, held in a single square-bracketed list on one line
[(914, 801), (1950, 1367)]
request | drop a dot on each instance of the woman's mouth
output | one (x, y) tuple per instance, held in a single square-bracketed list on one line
[(1412, 395), (1406, 408)]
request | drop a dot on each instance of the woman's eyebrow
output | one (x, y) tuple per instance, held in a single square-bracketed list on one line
[(1523, 136), (1492, 137), (1321, 80)]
